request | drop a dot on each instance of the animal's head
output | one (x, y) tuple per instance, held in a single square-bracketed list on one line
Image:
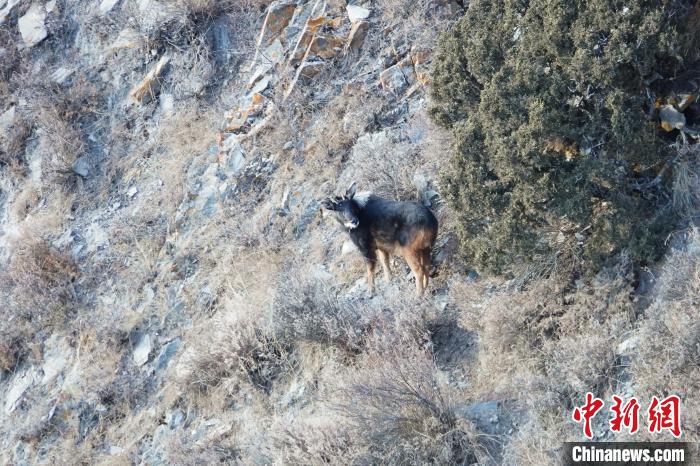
[(346, 210)]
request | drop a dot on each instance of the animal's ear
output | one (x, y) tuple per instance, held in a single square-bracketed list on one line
[(328, 204), (350, 193)]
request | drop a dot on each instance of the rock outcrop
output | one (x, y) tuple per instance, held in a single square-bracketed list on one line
[(31, 25)]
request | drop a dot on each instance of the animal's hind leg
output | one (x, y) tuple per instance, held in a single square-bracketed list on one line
[(384, 260), (425, 262), (414, 262)]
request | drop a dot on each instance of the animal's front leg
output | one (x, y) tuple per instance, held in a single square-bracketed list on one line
[(384, 260), (371, 265)]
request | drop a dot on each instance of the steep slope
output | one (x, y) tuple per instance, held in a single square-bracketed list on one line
[(173, 294)]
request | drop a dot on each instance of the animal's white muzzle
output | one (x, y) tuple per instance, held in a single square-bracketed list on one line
[(351, 225)]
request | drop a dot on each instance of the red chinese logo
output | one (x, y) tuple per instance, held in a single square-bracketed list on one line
[(586, 412), (665, 415), (662, 414), (627, 415)]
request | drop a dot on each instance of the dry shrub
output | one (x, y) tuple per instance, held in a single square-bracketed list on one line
[(391, 405), (12, 145), (538, 442), (338, 124), (10, 59), (163, 155), (212, 8), (134, 253), (545, 346), (189, 131), (37, 289), (62, 117), (42, 279), (667, 345), (61, 144), (25, 201), (686, 182), (308, 309), (231, 349), (180, 451), (391, 175), (549, 344), (398, 164), (206, 37), (415, 21), (192, 70), (229, 277), (314, 441), (398, 409)]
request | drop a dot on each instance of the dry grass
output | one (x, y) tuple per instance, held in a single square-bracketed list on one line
[(546, 346), (337, 125), (307, 309), (398, 409), (667, 344), (540, 332), (312, 442), (369, 368), (39, 295), (60, 119), (12, 145), (414, 22), (42, 278), (686, 182), (61, 144), (188, 30), (230, 350), (212, 8), (25, 202), (39, 209), (537, 442), (261, 348), (162, 157), (398, 164)]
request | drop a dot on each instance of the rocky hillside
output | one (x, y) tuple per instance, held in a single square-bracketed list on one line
[(172, 292)]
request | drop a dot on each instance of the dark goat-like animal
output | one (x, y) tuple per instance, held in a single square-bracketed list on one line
[(380, 227)]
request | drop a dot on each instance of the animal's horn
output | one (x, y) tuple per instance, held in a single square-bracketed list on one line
[(351, 190)]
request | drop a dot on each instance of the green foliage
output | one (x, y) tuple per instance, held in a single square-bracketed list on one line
[(554, 149)]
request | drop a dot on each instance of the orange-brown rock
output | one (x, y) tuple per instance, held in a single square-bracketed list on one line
[(326, 46), (279, 14), (357, 35), (310, 69), (420, 57), (306, 71), (305, 38), (149, 86), (686, 100)]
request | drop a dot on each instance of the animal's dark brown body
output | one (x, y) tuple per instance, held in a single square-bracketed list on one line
[(381, 227)]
